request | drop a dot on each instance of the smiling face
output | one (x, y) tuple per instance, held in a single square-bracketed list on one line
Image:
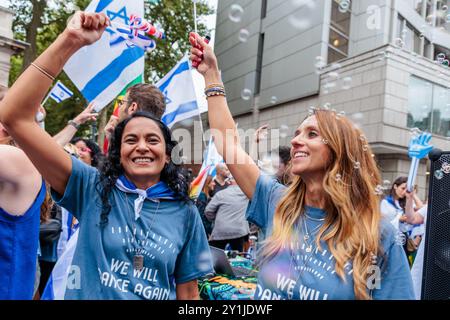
[(143, 152), (310, 155)]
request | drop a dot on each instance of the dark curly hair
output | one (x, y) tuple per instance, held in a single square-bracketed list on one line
[(96, 154), (172, 174)]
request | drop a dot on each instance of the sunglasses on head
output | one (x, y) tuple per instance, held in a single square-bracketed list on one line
[(85, 149)]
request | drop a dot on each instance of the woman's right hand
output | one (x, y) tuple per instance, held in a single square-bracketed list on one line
[(86, 28), (206, 58)]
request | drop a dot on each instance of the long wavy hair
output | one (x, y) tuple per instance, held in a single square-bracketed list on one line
[(172, 174), (352, 224)]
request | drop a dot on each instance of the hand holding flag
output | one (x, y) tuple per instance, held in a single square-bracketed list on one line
[(418, 149)]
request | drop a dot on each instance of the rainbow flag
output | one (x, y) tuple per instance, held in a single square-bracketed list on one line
[(210, 161), (197, 184)]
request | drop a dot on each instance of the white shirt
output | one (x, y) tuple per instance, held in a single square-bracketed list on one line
[(417, 268), (392, 213)]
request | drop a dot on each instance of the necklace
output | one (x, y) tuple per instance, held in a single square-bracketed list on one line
[(138, 257), (293, 265), (307, 235), (313, 219)]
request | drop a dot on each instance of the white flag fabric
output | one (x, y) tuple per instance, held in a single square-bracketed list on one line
[(213, 157), (60, 92), (178, 88), (101, 71), (57, 283)]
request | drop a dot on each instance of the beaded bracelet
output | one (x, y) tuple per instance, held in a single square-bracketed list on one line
[(215, 92), (215, 89)]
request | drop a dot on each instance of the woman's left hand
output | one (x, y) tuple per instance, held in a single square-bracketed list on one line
[(88, 114), (202, 53)]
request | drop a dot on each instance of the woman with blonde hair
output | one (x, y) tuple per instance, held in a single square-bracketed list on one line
[(326, 238)]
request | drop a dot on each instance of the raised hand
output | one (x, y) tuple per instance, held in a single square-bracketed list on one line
[(419, 147), (87, 114), (206, 58), (110, 126), (86, 28)]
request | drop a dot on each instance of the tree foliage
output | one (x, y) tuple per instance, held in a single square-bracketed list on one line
[(173, 16)]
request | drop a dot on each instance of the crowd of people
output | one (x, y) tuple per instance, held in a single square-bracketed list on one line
[(320, 226)]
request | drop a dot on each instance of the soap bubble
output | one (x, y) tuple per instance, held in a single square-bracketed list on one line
[(236, 12), (243, 35), (386, 184), (344, 5), (273, 100), (379, 190), (445, 168), (246, 94), (346, 83), (399, 42), (284, 129), (438, 174)]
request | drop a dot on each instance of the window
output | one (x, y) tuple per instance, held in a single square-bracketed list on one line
[(439, 51), (429, 107), (441, 12), (418, 6), (411, 37), (339, 33), (441, 111)]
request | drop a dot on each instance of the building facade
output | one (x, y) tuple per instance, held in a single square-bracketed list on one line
[(384, 63), (8, 47)]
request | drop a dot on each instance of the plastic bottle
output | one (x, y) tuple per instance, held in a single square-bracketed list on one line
[(228, 249), (252, 248)]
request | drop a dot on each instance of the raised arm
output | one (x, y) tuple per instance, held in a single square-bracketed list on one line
[(65, 135), (223, 128), (412, 216), (18, 108)]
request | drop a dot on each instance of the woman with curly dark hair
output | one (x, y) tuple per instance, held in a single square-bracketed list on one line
[(88, 151), (139, 236)]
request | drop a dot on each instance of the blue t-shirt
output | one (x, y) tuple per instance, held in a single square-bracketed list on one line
[(18, 251), (301, 271), (169, 234)]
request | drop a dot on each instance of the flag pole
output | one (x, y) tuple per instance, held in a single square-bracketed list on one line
[(46, 98), (195, 16), (201, 128)]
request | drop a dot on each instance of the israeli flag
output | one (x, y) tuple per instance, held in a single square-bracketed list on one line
[(101, 71), (178, 88), (60, 92), (57, 282)]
